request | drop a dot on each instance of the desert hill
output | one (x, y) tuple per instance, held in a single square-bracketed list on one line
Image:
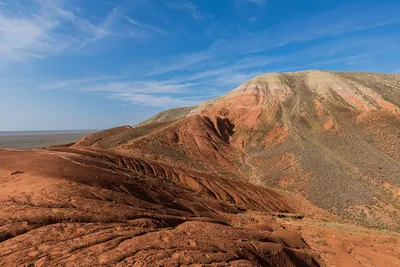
[(89, 207), (283, 171), (332, 137)]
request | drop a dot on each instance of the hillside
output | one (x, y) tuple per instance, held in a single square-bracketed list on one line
[(88, 207), (288, 169), (81, 206), (332, 137)]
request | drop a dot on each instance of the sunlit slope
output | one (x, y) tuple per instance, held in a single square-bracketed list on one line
[(332, 137)]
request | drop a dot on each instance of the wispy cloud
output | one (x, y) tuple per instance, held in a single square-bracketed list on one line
[(4, 3), (254, 19), (77, 83), (342, 21), (216, 77), (168, 81), (253, 64), (104, 84), (146, 26), (146, 93), (104, 29), (117, 24), (257, 2), (185, 5), (32, 36), (140, 87), (164, 65), (156, 101), (47, 28)]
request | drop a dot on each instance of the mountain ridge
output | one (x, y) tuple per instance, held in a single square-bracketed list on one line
[(285, 130)]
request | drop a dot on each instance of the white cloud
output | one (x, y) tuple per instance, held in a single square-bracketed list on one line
[(115, 24), (156, 101), (146, 26), (23, 37), (137, 92), (47, 28), (226, 62), (105, 28), (140, 87), (77, 83), (145, 93), (102, 84), (228, 75)]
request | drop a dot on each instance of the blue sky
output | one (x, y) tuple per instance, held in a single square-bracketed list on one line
[(86, 64)]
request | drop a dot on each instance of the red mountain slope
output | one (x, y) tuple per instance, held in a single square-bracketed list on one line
[(331, 137)]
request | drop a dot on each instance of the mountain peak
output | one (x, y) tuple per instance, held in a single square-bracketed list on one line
[(324, 135), (353, 91)]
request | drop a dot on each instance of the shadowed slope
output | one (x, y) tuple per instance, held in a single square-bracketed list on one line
[(91, 207)]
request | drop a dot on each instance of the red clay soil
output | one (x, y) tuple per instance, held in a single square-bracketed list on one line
[(86, 208)]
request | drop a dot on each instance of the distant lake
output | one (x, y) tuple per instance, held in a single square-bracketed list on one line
[(39, 139)]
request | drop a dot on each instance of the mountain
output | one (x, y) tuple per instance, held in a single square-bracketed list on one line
[(332, 137), (286, 170)]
